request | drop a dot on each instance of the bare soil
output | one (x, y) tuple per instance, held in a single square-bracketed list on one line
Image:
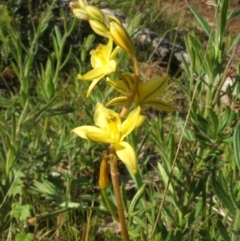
[(179, 9)]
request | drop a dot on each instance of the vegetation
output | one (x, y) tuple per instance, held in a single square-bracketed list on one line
[(187, 185)]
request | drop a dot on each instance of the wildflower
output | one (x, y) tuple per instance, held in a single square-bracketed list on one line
[(103, 63), (147, 93), (110, 129)]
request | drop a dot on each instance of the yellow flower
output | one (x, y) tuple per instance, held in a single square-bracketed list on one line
[(103, 63), (147, 93), (110, 129)]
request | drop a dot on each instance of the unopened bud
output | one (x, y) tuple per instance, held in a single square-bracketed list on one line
[(82, 3), (112, 18), (121, 37), (99, 28), (95, 13), (81, 14), (73, 5)]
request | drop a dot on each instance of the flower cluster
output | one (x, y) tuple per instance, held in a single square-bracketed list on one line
[(112, 127)]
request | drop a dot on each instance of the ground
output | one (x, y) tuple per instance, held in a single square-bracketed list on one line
[(180, 8)]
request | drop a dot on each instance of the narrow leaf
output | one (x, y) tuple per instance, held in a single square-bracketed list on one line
[(124, 197), (201, 20), (223, 19), (223, 196), (222, 230), (136, 198), (165, 177), (236, 145)]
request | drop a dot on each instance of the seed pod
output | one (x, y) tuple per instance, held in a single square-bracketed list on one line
[(103, 177)]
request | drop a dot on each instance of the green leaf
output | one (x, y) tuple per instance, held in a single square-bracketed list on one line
[(223, 231), (201, 20), (16, 181), (50, 191), (202, 123), (67, 57), (58, 35), (195, 213), (20, 212), (171, 148), (213, 123), (223, 196), (165, 177), (136, 198), (139, 222), (55, 46), (224, 119), (223, 19), (24, 237), (236, 145), (233, 14), (124, 197)]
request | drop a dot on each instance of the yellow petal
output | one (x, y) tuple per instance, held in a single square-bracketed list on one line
[(109, 49), (109, 121), (153, 88), (140, 121), (92, 85), (97, 73), (127, 155), (92, 133), (101, 136), (161, 105), (130, 123), (114, 53), (119, 85), (128, 80), (119, 101), (111, 67), (82, 130)]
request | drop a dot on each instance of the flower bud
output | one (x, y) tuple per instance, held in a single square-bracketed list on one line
[(103, 177), (121, 37), (73, 5), (81, 14), (99, 28), (95, 13), (112, 18), (82, 3)]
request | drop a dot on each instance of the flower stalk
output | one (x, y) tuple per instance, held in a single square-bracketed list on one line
[(112, 127), (116, 189)]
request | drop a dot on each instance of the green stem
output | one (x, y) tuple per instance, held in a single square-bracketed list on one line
[(109, 205), (11, 150), (130, 98), (236, 226), (116, 188)]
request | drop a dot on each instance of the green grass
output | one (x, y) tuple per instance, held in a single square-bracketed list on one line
[(42, 51)]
